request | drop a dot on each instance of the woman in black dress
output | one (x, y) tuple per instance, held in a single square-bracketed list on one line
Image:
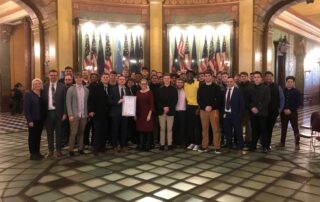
[(34, 110)]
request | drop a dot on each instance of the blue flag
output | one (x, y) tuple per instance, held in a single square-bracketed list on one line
[(118, 65)]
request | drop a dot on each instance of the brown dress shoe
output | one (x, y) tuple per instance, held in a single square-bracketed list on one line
[(50, 154), (59, 154)]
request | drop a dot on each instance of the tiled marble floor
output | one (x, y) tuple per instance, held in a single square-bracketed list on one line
[(179, 175)]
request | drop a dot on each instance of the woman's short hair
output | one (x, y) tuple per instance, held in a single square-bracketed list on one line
[(35, 80)]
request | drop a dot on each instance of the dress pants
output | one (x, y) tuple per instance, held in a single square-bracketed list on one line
[(293, 118), (76, 133), (166, 124), (233, 123), (259, 131), (119, 131), (34, 137), (208, 118), (272, 118), (100, 134), (245, 121), (193, 125), (179, 128), (53, 128)]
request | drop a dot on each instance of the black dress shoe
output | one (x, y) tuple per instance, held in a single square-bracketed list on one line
[(170, 147), (265, 150), (81, 152), (71, 153), (161, 148), (35, 157)]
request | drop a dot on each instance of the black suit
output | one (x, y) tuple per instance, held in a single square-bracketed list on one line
[(54, 117), (232, 120), (98, 103), (119, 122)]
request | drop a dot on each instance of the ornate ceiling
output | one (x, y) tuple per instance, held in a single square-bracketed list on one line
[(10, 12)]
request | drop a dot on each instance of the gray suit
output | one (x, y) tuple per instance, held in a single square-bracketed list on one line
[(72, 102), (54, 117), (80, 118)]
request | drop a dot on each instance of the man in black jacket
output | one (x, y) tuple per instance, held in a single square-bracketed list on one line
[(292, 99), (167, 98), (98, 108), (258, 104), (209, 100), (275, 105), (245, 87)]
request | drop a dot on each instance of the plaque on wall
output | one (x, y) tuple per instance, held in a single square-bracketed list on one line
[(200, 47)]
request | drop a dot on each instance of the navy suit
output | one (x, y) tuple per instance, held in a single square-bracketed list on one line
[(232, 120), (119, 122)]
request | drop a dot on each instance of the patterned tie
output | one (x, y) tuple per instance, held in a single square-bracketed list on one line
[(122, 92), (228, 104), (53, 93)]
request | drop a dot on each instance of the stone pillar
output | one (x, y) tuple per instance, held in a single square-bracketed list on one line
[(65, 47), (257, 49), (156, 37), (300, 53), (37, 51), (246, 36)]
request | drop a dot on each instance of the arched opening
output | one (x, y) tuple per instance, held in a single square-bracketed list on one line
[(291, 35), (22, 42)]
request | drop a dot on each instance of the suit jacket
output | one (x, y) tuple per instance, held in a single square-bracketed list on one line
[(98, 101), (114, 97), (59, 98), (237, 102), (72, 101)]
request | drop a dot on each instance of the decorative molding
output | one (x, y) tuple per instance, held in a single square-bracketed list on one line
[(5, 33), (197, 2), (297, 25)]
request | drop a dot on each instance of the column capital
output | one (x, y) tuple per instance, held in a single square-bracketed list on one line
[(156, 1)]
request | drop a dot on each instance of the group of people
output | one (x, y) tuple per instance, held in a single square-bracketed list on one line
[(185, 110)]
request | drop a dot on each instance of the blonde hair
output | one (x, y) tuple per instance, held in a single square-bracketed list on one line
[(35, 80)]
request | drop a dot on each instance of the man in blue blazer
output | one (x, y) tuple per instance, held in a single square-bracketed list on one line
[(233, 110), (119, 122)]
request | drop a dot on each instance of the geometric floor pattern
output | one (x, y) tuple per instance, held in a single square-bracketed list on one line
[(12, 124), (179, 175)]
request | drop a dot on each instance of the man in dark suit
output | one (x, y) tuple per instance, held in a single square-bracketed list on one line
[(54, 97), (232, 113), (98, 109), (119, 122)]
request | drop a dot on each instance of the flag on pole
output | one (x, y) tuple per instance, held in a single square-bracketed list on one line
[(108, 66), (187, 64), (212, 57), (100, 59), (118, 58), (204, 59), (125, 59), (224, 65), (194, 58), (175, 61), (218, 56), (94, 53), (87, 57), (131, 55), (141, 61), (135, 61), (181, 52)]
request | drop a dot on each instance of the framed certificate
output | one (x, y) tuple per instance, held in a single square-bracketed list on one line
[(129, 106)]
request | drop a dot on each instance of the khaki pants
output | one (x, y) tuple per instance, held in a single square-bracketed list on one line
[(166, 122), (77, 133), (208, 118)]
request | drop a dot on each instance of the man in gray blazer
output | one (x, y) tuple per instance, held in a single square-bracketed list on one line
[(76, 102), (54, 97)]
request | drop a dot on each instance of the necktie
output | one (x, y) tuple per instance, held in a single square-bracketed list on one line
[(53, 91), (228, 104), (106, 89), (122, 93)]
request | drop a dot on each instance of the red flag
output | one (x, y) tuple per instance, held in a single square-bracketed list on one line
[(108, 66), (187, 64), (181, 52)]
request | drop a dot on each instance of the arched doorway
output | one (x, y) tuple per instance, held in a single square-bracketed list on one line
[(291, 18), (22, 45)]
